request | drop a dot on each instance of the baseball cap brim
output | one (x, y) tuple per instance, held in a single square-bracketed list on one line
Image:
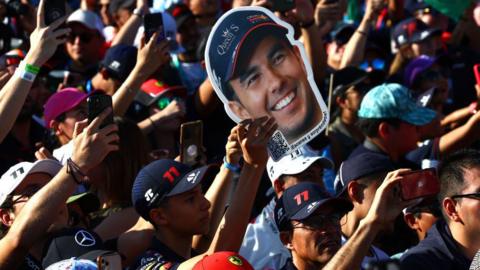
[(338, 204), (274, 29), (426, 34), (419, 117), (192, 179)]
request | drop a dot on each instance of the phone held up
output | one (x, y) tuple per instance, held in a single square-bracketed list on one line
[(191, 142), (97, 103), (54, 10), (418, 184), (153, 22)]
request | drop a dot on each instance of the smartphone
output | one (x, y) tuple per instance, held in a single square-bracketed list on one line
[(54, 10), (97, 103), (109, 261), (283, 5), (476, 71), (152, 23), (419, 184), (191, 142)]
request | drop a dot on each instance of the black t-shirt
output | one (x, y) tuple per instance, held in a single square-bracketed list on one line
[(30, 263), (289, 265), (159, 257)]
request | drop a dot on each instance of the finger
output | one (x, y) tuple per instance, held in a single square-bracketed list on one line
[(142, 42), (242, 133), (269, 132), (112, 138), (153, 39), (95, 124), (108, 130), (112, 148), (79, 127), (54, 25), (61, 32), (163, 45), (39, 155), (41, 14)]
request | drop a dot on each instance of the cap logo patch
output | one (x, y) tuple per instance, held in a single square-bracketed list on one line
[(425, 100), (171, 174), (311, 206), (84, 238), (115, 65), (257, 18), (20, 172), (192, 178), (235, 260), (149, 195), (424, 34), (228, 36), (301, 197)]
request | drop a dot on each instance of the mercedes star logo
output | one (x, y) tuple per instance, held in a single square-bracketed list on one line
[(84, 238)]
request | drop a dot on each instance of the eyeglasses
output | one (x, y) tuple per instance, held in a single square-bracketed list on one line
[(318, 222), (475, 196), (84, 37)]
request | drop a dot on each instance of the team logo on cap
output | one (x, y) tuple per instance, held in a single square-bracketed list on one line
[(235, 260), (228, 39), (115, 65), (192, 177), (311, 206), (84, 238), (257, 18), (17, 172)]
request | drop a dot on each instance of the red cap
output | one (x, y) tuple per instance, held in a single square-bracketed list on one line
[(224, 260), (60, 102), (154, 88)]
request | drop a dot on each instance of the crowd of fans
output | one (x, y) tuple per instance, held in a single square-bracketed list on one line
[(77, 193)]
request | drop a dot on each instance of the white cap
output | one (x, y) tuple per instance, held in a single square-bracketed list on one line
[(87, 18), (15, 175), (170, 30), (296, 162)]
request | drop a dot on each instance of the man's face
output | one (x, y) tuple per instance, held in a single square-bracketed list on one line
[(405, 137), (317, 238), (353, 99), (188, 35), (469, 208), (274, 83), (83, 44), (188, 212), (29, 186), (428, 47)]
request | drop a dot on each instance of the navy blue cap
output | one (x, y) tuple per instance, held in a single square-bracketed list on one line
[(120, 61), (342, 32), (347, 77), (164, 178), (412, 30), (414, 5), (360, 166), (301, 200), (232, 31)]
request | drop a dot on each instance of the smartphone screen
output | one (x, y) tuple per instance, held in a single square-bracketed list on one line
[(97, 103), (283, 5), (191, 142), (476, 71), (153, 22), (54, 10), (419, 184)]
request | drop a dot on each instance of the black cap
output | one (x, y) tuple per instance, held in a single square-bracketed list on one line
[(347, 77), (164, 178), (120, 61), (342, 32), (181, 13), (412, 30), (301, 200), (360, 166), (68, 243)]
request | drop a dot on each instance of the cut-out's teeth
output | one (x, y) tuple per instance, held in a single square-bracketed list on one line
[(284, 101)]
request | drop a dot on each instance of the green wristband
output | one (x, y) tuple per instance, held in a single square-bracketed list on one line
[(32, 69)]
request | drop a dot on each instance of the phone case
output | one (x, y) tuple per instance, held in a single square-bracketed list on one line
[(153, 22), (476, 71), (419, 184), (191, 141), (97, 103), (54, 10)]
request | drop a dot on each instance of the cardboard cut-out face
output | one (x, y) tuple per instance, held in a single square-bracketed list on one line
[(258, 69)]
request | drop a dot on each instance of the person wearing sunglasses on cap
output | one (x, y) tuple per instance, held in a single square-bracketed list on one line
[(453, 241)]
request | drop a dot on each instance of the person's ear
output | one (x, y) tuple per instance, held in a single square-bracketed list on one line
[(239, 110), (286, 238), (158, 217), (279, 187), (355, 192), (56, 128), (6, 217), (384, 130), (341, 102), (450, 208), (411, 221), (104, 73)]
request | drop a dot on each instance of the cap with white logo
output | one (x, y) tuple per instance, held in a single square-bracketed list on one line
[(15, 175), (295, 163)]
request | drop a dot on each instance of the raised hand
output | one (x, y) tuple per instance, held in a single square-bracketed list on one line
[(152, 55), (233, 149), (93, 144), (45, 39), (253, 136)]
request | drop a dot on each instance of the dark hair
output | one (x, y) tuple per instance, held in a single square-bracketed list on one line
[(452, 171), (369, 126)]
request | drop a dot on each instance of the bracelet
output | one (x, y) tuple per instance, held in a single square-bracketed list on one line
[(32, 69), (139, 12), (230, 166), (73, 169), (25, 75), (361, 32), (153, 123), (308, 24)]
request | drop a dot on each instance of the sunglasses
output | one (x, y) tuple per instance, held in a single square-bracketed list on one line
[(318, 222), (475, 196), (376, 64), (84, 37)]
